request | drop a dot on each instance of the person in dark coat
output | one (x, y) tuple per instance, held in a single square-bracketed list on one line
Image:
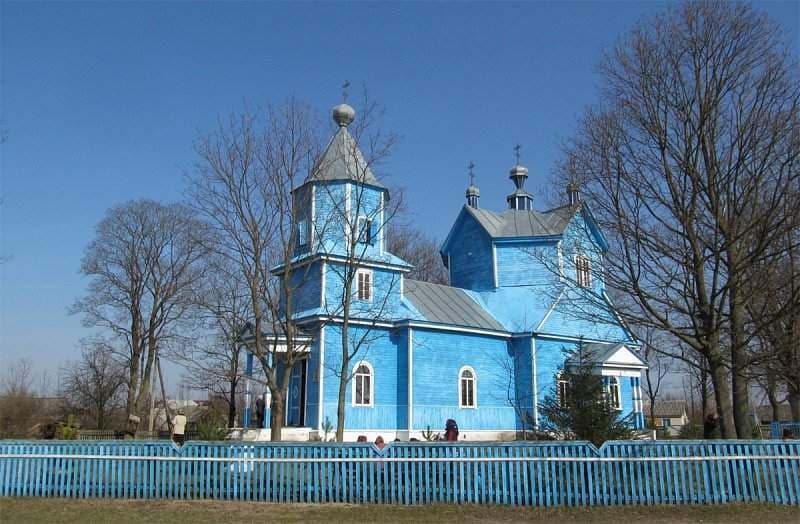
[(260, 412), (451, 430)]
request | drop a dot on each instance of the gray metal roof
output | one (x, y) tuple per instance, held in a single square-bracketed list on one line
[(342, 160), (523, 223), (448, 305)]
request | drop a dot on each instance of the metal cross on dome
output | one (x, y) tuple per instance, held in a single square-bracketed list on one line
[(344, 89), (471, 166), (516, 152)]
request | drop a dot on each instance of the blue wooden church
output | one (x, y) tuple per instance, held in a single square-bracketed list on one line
[(484, 350)]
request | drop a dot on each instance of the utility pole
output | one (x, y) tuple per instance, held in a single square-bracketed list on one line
[(163, 393), (152, 406)]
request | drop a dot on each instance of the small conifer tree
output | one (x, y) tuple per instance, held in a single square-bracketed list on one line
[(581, 410)]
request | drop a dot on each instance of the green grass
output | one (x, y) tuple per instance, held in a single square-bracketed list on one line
[(35, 510)]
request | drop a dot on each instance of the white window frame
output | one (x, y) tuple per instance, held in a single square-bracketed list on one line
[(363, 234), (578, 270), (371, 289), (356, 377), (613, 382), (561, 380), (474, 381), (303, 233)]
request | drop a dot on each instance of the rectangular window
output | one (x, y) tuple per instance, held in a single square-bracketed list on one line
[(365, 232), (666, 422), (612, 390), (302, 233), (563, 391), (364, 285), (583, 276)]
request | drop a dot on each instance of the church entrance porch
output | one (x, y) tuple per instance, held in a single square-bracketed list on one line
[(296, 397)]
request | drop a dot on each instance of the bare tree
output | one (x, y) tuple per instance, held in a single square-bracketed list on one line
[(658, 365), (774, 291), (223, 307), (17, 399), (242, 187), (687, 166), (143, 265), (420, 250), (94, 385)]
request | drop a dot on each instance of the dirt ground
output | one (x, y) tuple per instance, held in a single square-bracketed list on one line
[(30, 510)]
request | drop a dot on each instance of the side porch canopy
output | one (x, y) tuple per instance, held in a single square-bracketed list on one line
[(276, 344)]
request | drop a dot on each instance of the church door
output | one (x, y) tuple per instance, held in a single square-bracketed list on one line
[(295, 409)]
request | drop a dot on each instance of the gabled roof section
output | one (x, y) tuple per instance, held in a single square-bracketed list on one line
[(523, 223), (611, 355), (343, 160), (448, 305), (517, 223)]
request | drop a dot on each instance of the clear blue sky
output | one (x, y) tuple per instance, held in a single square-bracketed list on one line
[(102, 101)]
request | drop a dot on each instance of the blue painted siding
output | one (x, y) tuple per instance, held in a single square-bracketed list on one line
[(470, 252), (575, 315), (523, 380), (519, 308), (382, 349), (385, 303), (330, 206), (579, 239), (550, 359), (527, 264), (306, 285), (329, 224), (438, 356), (312, 384)]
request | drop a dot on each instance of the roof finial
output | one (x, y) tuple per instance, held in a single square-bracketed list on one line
[(344, 90), (473, 193), (516, 152), (343, 114)]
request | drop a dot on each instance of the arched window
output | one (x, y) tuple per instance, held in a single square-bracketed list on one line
[(614, 397), (467, 390), (563, 390), (363, 385)]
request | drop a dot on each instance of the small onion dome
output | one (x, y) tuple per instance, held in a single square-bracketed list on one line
[(518, 174), (343, 114), (473, 190)]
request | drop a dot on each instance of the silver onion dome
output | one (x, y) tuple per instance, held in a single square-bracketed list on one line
[(343, 114)]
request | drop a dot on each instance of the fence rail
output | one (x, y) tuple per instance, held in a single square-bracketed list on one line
[(785, 429), (540, 474)]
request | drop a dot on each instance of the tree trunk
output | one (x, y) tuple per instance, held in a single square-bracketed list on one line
[(794, 404), (704, 397), (740, 382), (276, 415), (340, 410), (133, 384), (232, 404), (345, 372), (722, 395)]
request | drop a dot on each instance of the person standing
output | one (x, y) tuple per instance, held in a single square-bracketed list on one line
[(179, 428), (260, 412), (451, 430)]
